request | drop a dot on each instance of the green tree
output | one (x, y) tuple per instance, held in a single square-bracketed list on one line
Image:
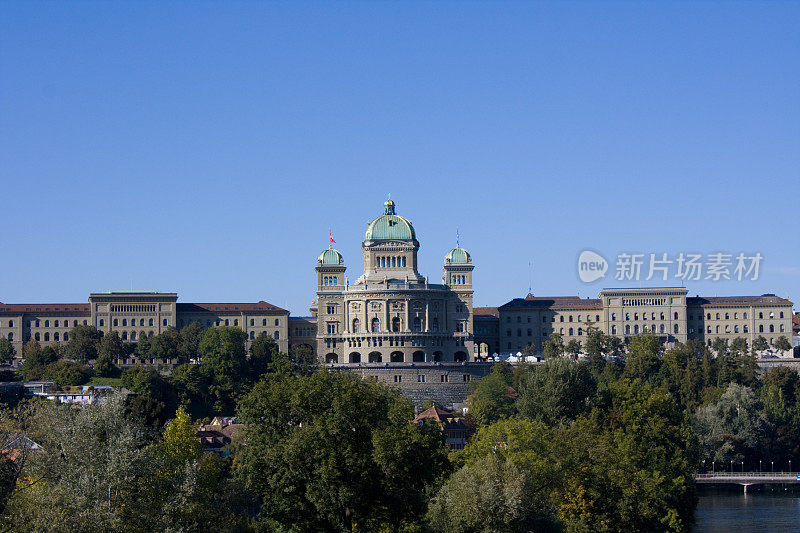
[(731, 428), (97, 448), (643, 360), (556, 392), (65, 373), (152, 399), (109, 350), (597, 346), (191, 335), (760, 344), (553, 346), (82, 344), (491, 398), (529, 349), (783, 344), (332, 452), (263, 351), (490, 495), (629, 465), (7, 351), (165, 345), (573, 348), (224, 363)]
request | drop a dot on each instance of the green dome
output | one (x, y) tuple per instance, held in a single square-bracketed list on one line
[(330, 257), (390, 226), (457, 256)]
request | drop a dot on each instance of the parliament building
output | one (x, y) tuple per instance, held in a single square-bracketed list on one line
[(394, 317)]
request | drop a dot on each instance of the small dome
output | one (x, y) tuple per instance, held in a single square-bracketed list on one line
[(330, 257), (457, 256)]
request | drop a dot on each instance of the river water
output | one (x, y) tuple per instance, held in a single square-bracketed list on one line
[(765, 510)]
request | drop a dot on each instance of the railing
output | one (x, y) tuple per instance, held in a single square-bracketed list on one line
[(736, 477)]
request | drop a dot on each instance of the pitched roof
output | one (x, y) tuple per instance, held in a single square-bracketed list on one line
[(565, 302), (216, 307), (445, 419), (43, 308), (737, 300), (796, 322), (485, 311)]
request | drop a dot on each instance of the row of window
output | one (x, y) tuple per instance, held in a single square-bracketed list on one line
[(303, 332), (393, 261), (330, 280), (675, 316), (37, 323), (458, 279), (275, 335)]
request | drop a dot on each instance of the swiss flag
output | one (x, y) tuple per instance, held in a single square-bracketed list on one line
[(330, 236)]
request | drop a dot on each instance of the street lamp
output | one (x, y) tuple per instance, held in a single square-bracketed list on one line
[(759, 465), (712, 467), (773, 466), (742, 467), (731, 466), (790, 465)]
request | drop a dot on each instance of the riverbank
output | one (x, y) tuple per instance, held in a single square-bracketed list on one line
[(768, 508)]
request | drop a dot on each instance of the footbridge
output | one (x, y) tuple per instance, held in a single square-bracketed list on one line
[(746, 479)]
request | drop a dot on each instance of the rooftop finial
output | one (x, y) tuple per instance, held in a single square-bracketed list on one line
[(388, 206)]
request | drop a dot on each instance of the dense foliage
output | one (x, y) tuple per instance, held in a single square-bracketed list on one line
[(610, 442)]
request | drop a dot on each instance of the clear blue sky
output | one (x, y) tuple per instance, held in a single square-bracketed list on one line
[(207, 148)]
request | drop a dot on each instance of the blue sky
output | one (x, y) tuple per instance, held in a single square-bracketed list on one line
[(207, 148)]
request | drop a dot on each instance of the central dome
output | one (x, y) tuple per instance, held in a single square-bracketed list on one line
[(390, 226)]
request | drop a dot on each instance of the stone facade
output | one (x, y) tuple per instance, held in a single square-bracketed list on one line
[(666, 312), (132, 314), (392, 313)]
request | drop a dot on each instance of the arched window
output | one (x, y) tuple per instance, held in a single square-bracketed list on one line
[(75, 323), (716, 329), (570, 318), (356, 325), (561, 331), (675, 315), (101, 322), (46, 337), (761, 316), (404, 261), (252, 335), (11, 323), (36, 336), (150, 322), (745, 329), (736, 329), (277, 322), (597, 318), (580, 331), (627, 329), (662, 328), (124, 322), (396, 324), (133, 335), (416, 324), (55, 325), (708, 316), (235, 322), (11, 337), (115, 322), (124, 335), (727, 316), (771, 328), (530, 332), (252, 321), (226, 321), (47, 323), (627, 316), (636, 316), (675, 328), (782, 331), (435, 324), (613, 316), (571, 331), (744, 316), (613, 330), (264, 322), (141, 321), (375, 326), (781, 314), (562, 318), (277, 335), (55, 336)]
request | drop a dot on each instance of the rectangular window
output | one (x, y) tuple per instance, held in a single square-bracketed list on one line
[(421, 378)]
